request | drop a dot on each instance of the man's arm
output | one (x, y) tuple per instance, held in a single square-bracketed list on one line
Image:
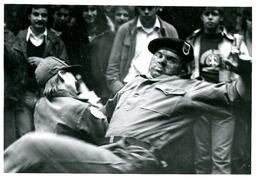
[(241, 64), (244, 82), (113, 69)]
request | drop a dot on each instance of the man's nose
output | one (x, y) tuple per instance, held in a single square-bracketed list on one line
[(62, 17), (210, 16), (40, 17), (90, 12), (122, 17)]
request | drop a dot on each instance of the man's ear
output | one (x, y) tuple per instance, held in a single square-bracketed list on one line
[(61, 75)]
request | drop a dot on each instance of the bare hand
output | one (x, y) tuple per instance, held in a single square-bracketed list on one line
[(30, 100), (34, 60)]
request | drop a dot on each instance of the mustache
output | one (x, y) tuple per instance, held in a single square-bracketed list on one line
[(41, 22)]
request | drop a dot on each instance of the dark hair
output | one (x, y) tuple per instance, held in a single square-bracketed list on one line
[(36, 6), (246, 15), (219, 9), (129, 9), (55, 8), (101, 19)]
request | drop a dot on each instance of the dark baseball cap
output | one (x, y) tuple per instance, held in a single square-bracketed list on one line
[(180, 47), (50, 66)]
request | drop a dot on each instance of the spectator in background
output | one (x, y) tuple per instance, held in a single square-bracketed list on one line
[(213, 135), (241, 157), (96, 39), (32, 44), (61, 15), (129, 56), (246, 28), (121, 14), (63, 27), (14, 79)]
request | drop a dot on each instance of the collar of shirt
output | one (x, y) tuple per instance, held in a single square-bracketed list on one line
[(36, 40), (156, 26), (58, 33), (159, 78)]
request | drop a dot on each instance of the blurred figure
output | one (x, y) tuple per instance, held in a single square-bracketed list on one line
[(14, 79), (121, 14), (129, 56), (95, 37), (242, 138), (212, 46), (32, 44), (61, 17), (246, 28), (66, 30), (66, 105)]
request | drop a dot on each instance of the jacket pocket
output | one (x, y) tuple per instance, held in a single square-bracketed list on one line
[(165, 100)]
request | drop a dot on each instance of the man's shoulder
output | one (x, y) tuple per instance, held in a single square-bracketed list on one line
[(196, 33), (22, 34), (53, 36), (128, 25), (165, 24)]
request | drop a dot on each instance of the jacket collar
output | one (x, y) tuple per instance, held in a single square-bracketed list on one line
[(223, 33)]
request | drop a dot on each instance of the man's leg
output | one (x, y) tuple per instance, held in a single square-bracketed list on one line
[(202, 135), (222, 138), (9, 127), (45, 152)]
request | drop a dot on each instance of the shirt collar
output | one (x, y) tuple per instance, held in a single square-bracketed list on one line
[(160, 78), (30, 33), (155, 26)]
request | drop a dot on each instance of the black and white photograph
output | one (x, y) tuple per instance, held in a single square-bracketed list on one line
[(115, 87)]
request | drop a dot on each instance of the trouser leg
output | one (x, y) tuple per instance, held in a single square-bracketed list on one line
[(44, 152), (222, 138), (202, 135), (9, 127)]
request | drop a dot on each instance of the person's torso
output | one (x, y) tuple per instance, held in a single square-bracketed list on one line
[(57, 113)]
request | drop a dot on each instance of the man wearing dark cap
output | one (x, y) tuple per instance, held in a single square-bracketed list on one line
[(62, 110), (146, 117)]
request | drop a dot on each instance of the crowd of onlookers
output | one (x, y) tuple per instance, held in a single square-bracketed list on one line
[(111, 45)]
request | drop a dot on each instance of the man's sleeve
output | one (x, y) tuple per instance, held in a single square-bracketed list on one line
[(92, 127), (62, 53), (113, 69), (215, 99)]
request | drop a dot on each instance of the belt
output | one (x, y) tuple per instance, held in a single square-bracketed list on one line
[(133, 141), (127, 141)]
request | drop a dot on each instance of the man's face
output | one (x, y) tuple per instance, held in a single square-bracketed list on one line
[(70, 81), (164, 62), (90, 14), (211, 19), (121, 16), (61, 17), (38, 18), (147, 12)]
